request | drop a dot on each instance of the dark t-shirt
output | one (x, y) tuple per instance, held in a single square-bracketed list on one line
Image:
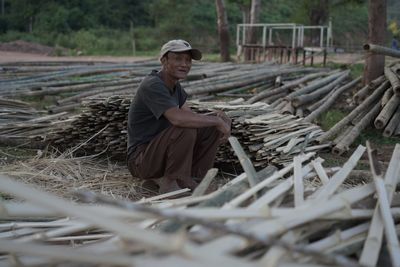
[(145, 117)]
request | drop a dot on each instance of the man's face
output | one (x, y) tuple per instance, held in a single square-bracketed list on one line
[(178, 64)]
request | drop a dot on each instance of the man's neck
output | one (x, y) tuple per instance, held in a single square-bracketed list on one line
[(169, 81)]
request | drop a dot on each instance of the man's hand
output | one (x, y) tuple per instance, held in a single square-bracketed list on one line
[(224, 126)]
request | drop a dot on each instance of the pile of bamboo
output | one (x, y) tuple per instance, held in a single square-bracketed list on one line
[(301, 215), (269, 137), (308, 96), (377, 104)]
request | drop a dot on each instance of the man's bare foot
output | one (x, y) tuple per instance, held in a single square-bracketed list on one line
[(167, 185), (188, 182)]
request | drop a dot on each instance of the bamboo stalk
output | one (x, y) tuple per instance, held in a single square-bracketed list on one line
[(387, 96), (331, 100), (377, 49), (306, 98), (365, 105), (387, 112), (394, 80), (284, 88), (366, 90), (345, 142), (393, 124)]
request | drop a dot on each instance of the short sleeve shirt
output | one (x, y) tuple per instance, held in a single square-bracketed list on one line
[(145, 116)]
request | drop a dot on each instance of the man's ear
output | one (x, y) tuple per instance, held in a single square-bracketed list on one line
[(163, 60)]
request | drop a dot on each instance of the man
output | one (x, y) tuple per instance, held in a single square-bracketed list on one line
[(167, 142)]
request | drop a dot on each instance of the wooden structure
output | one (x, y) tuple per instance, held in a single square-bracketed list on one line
[(283, 42)]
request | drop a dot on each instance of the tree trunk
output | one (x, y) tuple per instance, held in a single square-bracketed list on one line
[(223, 30), (374, 63), (254, 18)]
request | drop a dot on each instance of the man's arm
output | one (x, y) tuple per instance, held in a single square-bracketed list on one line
[(186, 118)]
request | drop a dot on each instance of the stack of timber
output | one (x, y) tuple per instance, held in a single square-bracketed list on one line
[(377, 103), (301, 215), (269, 137)]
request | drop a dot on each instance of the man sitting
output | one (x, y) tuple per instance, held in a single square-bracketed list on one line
[(168, 143)]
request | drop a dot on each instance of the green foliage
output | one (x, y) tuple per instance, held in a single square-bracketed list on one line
[(328, 119), (375, 136)]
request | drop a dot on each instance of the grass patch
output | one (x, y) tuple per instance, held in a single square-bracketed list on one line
[(375, 136), (328, 119)]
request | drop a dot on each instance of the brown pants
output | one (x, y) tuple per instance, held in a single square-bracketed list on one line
[(176, 153)]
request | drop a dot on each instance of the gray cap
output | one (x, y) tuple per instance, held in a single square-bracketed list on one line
[(180, 46)]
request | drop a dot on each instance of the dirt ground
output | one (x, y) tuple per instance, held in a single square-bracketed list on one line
[(7, 56)]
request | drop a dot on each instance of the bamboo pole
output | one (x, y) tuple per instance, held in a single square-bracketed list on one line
[(314, 85), (306, 98), (366, 90), (331, 100), (345, 142), (377, 49), (365, 105), (387, 96), (393, 124), (284, 88), (386, 113)]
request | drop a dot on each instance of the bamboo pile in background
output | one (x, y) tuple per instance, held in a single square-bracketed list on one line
[(377, 104), (301, 215), (270, 137)]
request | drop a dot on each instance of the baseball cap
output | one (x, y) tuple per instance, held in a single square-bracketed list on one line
[(180, 46)]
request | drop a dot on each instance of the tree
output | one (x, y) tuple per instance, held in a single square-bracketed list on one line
[(374, 63), (254, 18), (223, 30)]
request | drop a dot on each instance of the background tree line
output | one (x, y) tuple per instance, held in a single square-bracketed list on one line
[(110, 26)]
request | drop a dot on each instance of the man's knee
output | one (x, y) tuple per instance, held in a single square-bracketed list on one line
[(187, 134)]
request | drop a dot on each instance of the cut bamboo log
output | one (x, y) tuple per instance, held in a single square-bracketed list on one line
[(364, 106), (306, 98), (393, 124), (345, 142), (387, 96), (331, 100), (377, 49), (386, 113), (367, 89)]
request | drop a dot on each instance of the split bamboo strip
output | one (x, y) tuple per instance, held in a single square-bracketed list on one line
[(384, 207), (244, 160), (372, 245), (329, 189)]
